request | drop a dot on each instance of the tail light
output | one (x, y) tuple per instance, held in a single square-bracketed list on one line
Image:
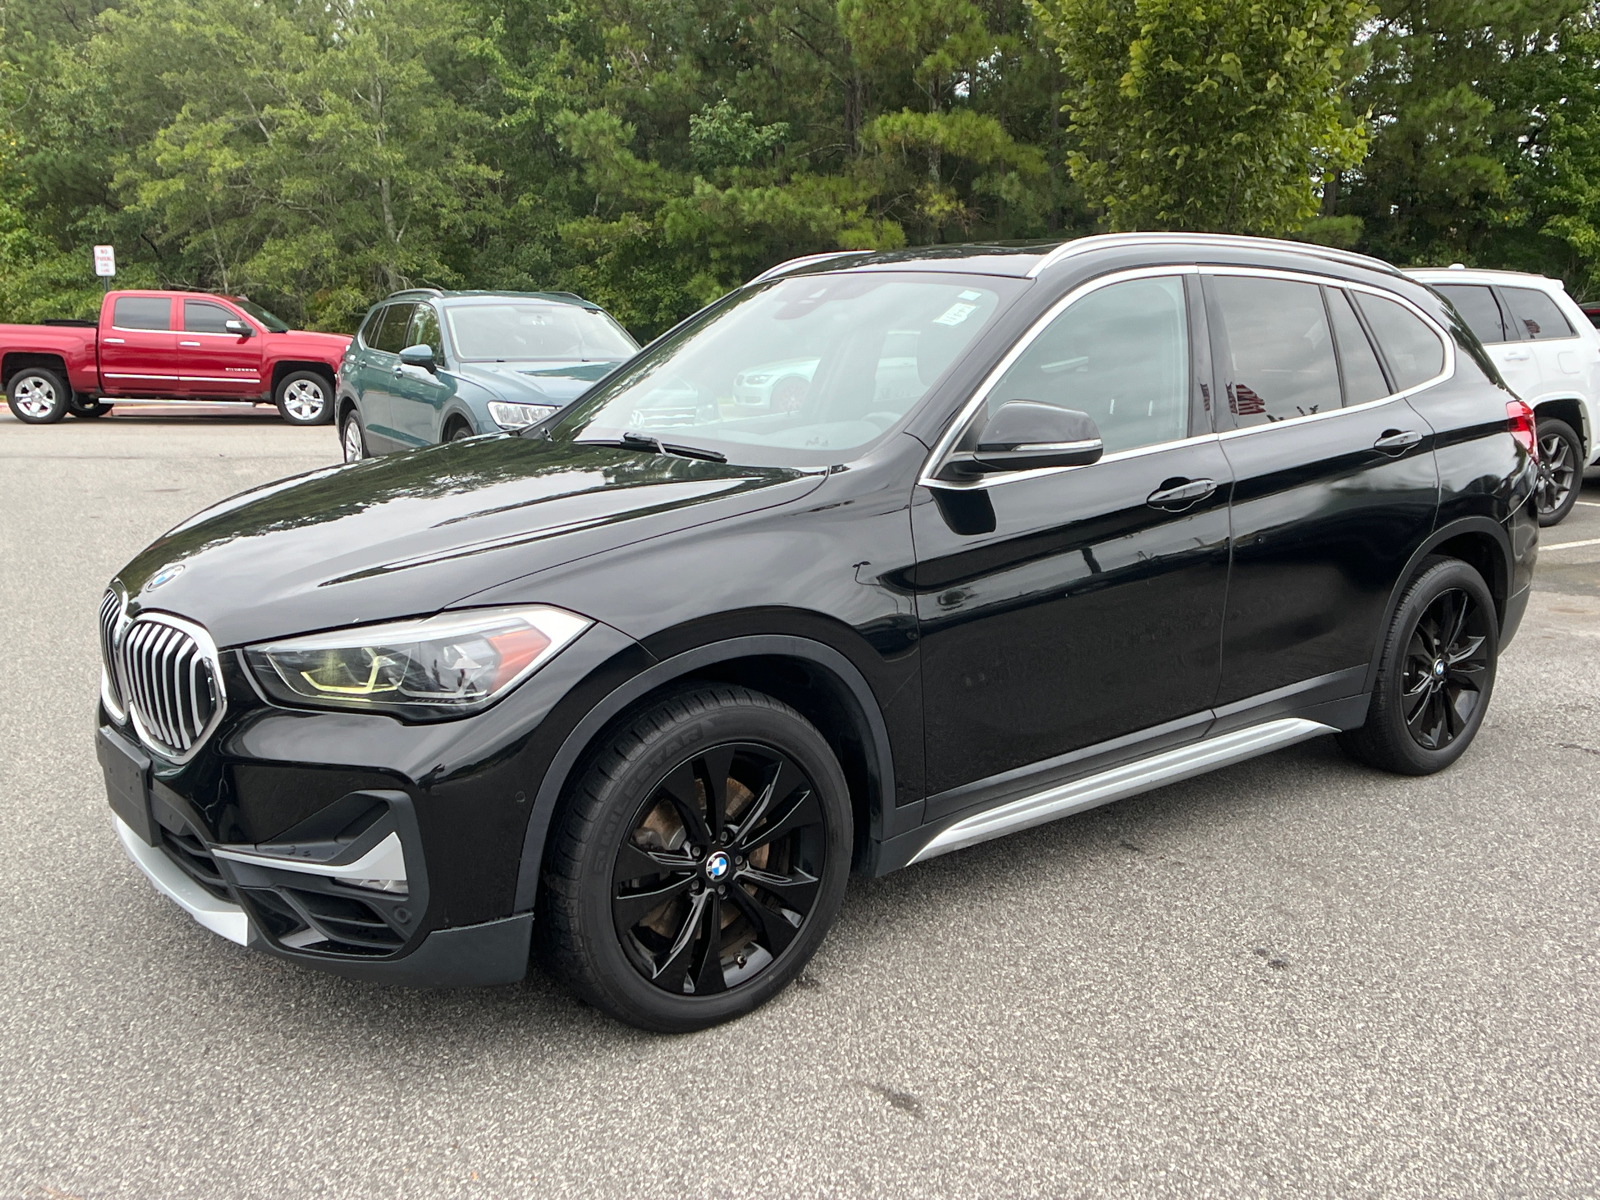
[(1520, 417)]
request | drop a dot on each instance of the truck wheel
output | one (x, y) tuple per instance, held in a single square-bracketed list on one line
[(83, 405), (37, 396), (305, 398)]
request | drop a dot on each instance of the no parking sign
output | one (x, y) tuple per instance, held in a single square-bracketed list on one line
[(105, 261)]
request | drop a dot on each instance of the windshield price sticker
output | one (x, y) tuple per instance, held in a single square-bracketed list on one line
[(955, 314), (105, 260)]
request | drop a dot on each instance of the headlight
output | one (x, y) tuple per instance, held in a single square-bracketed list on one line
[(755, 380), (516, 416), (428, 670)]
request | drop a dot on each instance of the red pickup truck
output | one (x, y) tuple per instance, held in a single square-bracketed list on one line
[(168, 346)]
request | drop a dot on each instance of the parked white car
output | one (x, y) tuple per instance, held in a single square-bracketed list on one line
[(1548, 353)]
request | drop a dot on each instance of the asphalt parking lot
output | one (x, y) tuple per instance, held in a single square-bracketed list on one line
[(1294, 976)]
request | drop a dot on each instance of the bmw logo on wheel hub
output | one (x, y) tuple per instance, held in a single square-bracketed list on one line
[(718, 866)]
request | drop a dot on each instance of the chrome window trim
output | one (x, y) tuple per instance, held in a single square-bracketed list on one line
[(207, 650), (946, 443), (1447, 372)]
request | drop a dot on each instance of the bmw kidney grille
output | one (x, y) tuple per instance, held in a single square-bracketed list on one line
[(165, 671)]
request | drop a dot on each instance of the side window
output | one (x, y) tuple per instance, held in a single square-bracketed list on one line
[(142, 312), (425, 331), (1281, 348), (202, 316), (368, 333), (1480, 310), (1363, 377), (1121, 355), (1414, 352), (1535, 315), (392, 333)]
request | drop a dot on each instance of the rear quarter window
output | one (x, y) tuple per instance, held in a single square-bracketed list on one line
[(1414, 352), (1536, 316)]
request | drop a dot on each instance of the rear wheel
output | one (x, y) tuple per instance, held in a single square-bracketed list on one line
[(88, 407), (38, 396), (305, 398), (1560, 470), (353, 437), (699, 862), (1436, 675)]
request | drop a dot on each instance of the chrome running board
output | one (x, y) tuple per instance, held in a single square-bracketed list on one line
[(1169, 766)]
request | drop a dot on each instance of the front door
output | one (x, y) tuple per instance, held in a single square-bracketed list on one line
[(417, 396), (1335, 482), (214, 362), (1061, 609), (138, 353)]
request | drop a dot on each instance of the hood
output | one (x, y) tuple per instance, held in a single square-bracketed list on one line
[(537, 382), (330, 343), (409, 534)]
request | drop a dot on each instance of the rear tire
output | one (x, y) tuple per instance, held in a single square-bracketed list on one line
[(1560, 470), (353, 437), (305, 398), (87, 407), (750, 882), (1436, 676), (38, 396)]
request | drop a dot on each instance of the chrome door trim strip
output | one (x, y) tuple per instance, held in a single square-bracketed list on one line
[(219, 916), (952, 433), (1169, 766)]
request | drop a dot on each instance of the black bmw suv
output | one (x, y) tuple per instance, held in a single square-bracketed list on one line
[(633, 690)]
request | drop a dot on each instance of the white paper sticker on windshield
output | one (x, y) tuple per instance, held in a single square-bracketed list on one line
[(956, 314), (969, 295)]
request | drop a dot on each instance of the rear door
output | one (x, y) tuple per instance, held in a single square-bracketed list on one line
[(212, 361), (1550, 338), (1336, 485), (418, 395), (380, 369), (1487, 315), (139, 351)]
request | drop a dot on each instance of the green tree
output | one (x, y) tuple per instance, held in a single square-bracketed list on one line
[(1207, 114)]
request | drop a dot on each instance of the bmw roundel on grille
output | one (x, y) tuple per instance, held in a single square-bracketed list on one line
[(165, 672)]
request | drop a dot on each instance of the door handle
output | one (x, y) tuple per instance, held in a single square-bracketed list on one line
[(399, 368), (1397, 441), (115, 341), (1181, 493), (189, 343), (1516, 356)]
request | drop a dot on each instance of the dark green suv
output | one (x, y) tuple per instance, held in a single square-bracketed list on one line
[(430, 366)]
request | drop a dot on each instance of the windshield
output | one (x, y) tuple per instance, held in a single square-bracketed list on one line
[(527, 330), (273, 322), (797, 371)]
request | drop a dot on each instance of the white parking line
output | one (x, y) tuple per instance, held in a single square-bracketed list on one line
[(1590, 503), (1572, 545)]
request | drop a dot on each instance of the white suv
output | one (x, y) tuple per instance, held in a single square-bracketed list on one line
[(1548, 353)]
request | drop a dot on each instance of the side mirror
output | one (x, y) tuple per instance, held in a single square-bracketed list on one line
[(242, 328), (1025, 435), (420, 355)]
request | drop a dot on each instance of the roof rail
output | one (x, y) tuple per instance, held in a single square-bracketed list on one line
[(1102, 241), (416, 291), (794, 264)]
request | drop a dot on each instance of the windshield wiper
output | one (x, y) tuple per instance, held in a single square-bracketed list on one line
[(643, 441)]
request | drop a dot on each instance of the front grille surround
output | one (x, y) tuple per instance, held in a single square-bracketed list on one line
[(113, 621), (170, 675)]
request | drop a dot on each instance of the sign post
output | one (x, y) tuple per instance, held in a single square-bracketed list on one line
[(105, 263)]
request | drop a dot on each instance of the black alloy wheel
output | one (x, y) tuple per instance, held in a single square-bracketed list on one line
[(1560, 470), (1436, 676), (699, 863), (720, 870)]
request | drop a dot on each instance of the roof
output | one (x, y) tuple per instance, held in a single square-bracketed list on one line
[(441, 294), (1445, 274), (1028, 260)]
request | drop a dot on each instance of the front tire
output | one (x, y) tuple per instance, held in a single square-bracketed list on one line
[(305, 398), (1436, 675), (1560, 470), (698, 862), (38, 396)]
